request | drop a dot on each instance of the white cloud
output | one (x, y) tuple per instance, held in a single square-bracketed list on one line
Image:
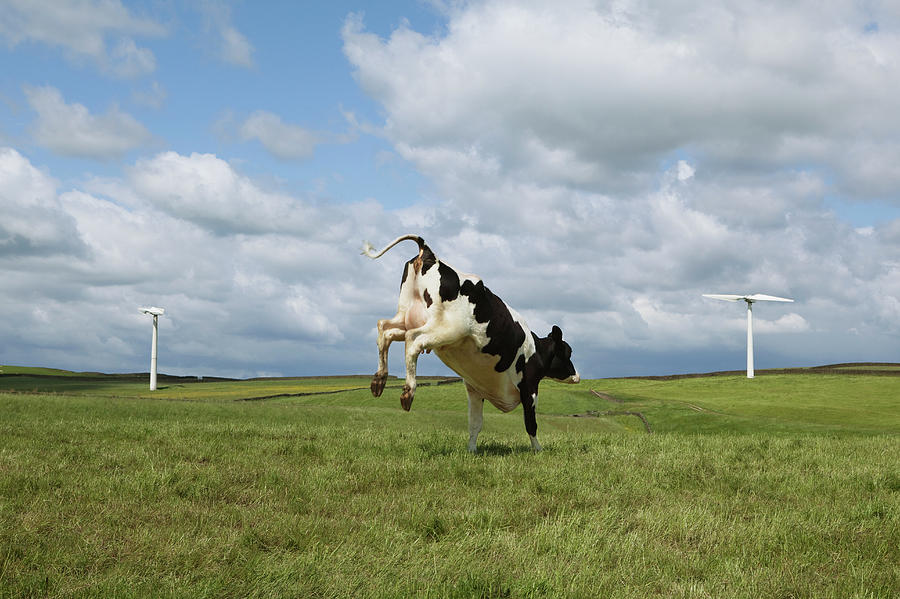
[(209, 244), (154, 96), (229, 44), (79, 262), (235, 47), (31, 219), (206, 190), (283, 140), (129, 60), (789, 323), (685, 170), (81, 29), (871, 169), (71, 130), (612, 92)]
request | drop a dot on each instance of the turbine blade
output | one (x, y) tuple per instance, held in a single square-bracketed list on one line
[(726, 297), (756, 297)]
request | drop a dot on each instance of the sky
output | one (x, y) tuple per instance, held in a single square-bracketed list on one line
[(600, 165)]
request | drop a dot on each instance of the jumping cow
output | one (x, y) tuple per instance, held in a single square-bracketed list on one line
[(474, 333)]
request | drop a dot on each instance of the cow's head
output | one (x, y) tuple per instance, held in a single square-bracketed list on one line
[(559, 360)]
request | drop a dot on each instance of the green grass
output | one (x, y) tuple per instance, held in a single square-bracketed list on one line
[(784, 486), (825, 404)]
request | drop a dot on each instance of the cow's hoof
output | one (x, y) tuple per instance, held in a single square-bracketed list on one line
[(377, 385), (406, 397)]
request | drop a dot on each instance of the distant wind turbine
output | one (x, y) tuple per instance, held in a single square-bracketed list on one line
[(756, 297), (156, 313)]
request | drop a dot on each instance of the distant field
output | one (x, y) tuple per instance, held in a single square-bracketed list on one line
[(45, 371), (25, 379), (874, 368), (868, 366), (787, 485)]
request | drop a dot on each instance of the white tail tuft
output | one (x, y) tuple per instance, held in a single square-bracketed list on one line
[(369, 250)]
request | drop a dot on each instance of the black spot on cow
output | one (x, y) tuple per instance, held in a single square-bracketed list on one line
[(449, 289), (427, 297), (410, 264), (505, 335), (475, 293), (425, 260), (428, 258)]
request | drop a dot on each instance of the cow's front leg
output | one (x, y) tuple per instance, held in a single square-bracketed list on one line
[(389, 330), (529, 402), (476, 417)]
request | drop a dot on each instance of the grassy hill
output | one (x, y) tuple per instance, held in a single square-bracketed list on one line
[(786, 485)]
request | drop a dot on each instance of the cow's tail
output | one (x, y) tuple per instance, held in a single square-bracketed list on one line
[(370, 251)]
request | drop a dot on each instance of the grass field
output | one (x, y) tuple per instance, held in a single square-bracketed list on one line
[(784, 486)]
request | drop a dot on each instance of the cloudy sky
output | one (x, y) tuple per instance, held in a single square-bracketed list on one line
[(599, 164)]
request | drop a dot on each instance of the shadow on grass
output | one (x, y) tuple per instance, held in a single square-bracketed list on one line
[(493, 448), (443, 447)]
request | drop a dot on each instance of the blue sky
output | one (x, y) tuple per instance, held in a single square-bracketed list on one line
[(600, 165), (296, 69)]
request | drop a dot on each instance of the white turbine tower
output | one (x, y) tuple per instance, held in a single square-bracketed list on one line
[(756, 297), (156, 313)]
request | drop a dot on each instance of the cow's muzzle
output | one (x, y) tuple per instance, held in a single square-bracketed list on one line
[(575, 378)]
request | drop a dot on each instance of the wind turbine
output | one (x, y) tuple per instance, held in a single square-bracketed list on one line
[(756, 297), (156, 313)]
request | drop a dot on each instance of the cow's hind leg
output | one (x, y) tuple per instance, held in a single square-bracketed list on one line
[(476, 416), (389, 330)]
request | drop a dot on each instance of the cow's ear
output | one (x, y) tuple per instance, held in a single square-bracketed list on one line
[(556, 334)]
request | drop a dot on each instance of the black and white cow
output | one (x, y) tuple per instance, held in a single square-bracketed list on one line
[(474, 333)]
